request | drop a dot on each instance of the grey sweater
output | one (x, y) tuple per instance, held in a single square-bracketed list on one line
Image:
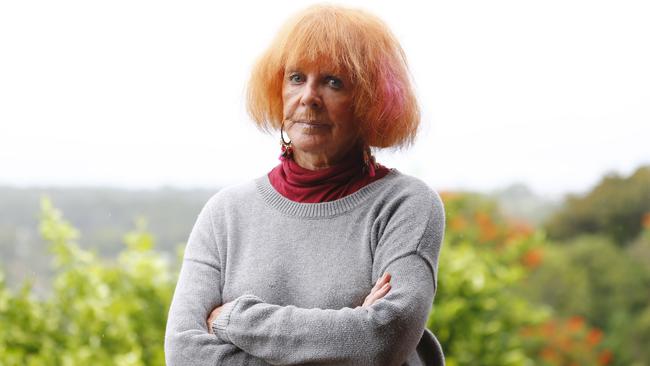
[(294, 276)]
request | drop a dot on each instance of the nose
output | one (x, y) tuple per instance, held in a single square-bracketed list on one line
[(310, 96)]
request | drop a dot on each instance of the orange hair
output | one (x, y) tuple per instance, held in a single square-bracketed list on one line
[(347, 40)]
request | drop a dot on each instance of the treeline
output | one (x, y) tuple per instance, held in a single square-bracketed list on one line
[(597, 265), (509, 293), (615, 208), (103, 215)]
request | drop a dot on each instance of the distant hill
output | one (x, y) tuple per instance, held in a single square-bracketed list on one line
[(520, 202), (102, 215)]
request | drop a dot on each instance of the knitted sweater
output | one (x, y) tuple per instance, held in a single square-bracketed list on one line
[(294, 276)]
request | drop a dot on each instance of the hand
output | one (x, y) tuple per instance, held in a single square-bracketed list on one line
[(380, 290), (213, 315)]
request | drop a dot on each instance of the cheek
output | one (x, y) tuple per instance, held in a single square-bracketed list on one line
[(343, 111), (287, 102)]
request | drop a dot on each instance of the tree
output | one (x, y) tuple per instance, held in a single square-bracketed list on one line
[(477, 314), (615, 207), (594, 279), (100, 312)]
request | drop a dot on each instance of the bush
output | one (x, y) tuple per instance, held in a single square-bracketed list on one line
[(593, 278), (100, 313), (104, 312), (477, 314)]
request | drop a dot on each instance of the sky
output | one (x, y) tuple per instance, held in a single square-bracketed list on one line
[(143, 94)]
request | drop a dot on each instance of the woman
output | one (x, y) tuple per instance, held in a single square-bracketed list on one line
[(331, 258)]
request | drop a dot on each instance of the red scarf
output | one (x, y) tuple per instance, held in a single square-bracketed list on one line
[(312, 186)]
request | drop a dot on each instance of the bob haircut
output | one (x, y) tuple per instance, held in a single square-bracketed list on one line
[(343, 40)]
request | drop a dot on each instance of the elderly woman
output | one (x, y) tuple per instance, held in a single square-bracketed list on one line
[(330, 258)]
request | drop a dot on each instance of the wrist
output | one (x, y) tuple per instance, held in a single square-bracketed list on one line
[(225, 317)]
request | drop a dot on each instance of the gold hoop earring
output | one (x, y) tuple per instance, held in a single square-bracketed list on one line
[(287, 149), (369, 163)]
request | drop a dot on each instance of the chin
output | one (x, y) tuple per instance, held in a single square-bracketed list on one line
[(310, 148), (310, 142)]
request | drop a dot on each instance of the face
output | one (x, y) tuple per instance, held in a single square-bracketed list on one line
[(318, 112)]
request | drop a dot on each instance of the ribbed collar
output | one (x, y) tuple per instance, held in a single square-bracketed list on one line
[(324, 185), (322, 209)]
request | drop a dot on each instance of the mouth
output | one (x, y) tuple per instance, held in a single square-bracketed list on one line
[(311, 123), (311, 126)]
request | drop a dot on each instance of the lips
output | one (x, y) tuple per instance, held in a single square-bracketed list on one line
[(311, 123)]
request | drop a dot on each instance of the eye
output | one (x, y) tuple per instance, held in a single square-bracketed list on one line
[(296, 78), (334, 82)]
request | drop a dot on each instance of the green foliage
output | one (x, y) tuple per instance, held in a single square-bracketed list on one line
[(477, 315), (615, 207), (567, 342), (100, 313), (591, 277), (593, 266), (103, 215), (505, 297)]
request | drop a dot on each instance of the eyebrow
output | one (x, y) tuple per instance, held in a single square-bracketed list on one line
[(325, 73)]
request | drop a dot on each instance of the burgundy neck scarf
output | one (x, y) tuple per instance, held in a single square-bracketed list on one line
[(312, 186)]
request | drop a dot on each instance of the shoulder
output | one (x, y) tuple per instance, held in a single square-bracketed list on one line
[(410, 203), (231, 197), (410, 193), (410, 219)]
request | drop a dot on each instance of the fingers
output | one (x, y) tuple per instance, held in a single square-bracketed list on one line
[(381, 288), (209, 322), (381, 292), (385, 278), (376, 295), (213, 315)]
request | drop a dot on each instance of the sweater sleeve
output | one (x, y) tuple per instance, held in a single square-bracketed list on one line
[(382, 334), (198, 292)]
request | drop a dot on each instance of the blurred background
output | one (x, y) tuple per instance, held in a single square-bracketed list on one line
[(118, 120)]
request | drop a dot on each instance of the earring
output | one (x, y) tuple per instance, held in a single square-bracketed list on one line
[(369, 164), (287, 149)]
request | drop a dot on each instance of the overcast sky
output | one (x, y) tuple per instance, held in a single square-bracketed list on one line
[(148, 93)]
